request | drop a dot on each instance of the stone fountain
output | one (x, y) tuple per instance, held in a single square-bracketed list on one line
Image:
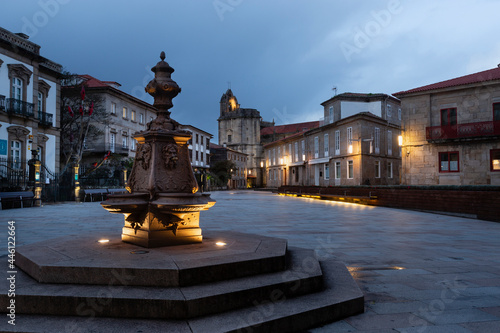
[(163, 206)]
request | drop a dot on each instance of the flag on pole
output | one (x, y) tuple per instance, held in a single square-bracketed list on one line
[(107, 155), (71, 113), (91, 108), (82, 93)]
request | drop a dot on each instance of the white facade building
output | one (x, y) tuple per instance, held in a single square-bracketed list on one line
[(29, 105), (199, 154)]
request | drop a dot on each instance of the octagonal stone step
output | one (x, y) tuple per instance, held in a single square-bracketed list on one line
[(83, 260), (302, 276), (340, 298)]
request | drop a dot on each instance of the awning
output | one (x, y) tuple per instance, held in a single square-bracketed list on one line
[(319, 160)]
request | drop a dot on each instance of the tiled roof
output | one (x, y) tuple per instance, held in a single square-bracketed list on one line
[(484, 76), (290, 128), (92, 82), (364, 97)]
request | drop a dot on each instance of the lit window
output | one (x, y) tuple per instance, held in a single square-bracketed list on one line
[(132, 115), (448, 162), (495, 159), (124, 112)]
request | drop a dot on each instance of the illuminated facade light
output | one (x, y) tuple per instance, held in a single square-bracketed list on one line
[(400, 140), (349, 149)]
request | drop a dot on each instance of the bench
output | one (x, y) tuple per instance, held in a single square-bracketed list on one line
[(9, 199), (117, 191), (93, 192)]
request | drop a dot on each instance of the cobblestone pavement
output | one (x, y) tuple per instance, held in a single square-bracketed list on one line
[(420, 272)]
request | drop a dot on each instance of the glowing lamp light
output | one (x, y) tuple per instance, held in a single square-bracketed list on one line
[(37, 176), (261, 164), (221, 244), (103, 241), (281, 160), (400, 140), (349, 149)]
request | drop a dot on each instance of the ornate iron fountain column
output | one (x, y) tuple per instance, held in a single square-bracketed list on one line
[(163, 205)]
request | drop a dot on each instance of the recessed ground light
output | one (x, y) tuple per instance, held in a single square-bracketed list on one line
[(102, 241), (221, 244), (139, 252)]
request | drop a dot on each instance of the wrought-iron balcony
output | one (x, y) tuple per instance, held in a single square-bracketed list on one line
[(18, 107), (100, 147), (45, 118), (463, 131)]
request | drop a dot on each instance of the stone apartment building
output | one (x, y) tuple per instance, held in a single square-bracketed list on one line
[(239, 175), (29, 108), (355, 144), (126, 115), (451, 131)]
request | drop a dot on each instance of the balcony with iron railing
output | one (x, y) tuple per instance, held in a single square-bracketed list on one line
[(478, 130), (45, 118), (101, 147), (18, 107)]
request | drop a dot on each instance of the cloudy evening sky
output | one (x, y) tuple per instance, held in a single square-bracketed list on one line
[(282, 57)]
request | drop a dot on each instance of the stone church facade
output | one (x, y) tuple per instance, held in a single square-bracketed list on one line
[(239, 130)]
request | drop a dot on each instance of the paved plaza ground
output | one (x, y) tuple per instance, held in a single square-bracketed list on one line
[(420, 272)]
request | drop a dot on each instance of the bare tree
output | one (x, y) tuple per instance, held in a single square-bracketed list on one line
[(83, 117)]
